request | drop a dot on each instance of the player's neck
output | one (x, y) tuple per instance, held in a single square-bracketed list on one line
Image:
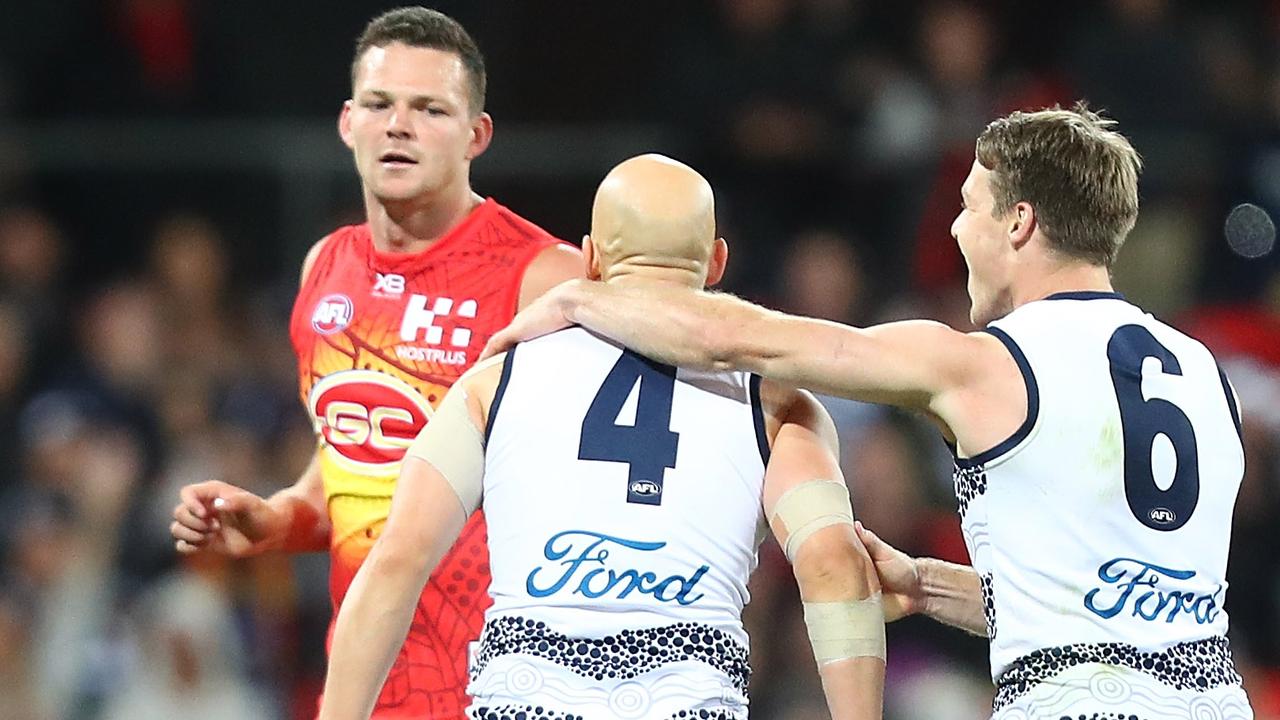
[(653, 277), (411, 226), (1064, 277)]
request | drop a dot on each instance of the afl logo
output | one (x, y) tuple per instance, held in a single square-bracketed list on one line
[(1162, 516), (645, 488), (368, 418), (332, 313)]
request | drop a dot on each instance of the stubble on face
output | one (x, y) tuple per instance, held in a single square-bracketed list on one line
[(410, 121)]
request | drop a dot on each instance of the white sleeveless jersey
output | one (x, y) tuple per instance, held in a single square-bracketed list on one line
[(1100, 529), (623, 499)]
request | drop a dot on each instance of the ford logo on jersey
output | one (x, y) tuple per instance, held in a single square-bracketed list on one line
[(584, 569), (1152, 600)]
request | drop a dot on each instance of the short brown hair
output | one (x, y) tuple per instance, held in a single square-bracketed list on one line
[(425, 28), (1079, 174)]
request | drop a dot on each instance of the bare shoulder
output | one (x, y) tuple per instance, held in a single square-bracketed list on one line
[(552, 266), (990, 398), (310, 260)]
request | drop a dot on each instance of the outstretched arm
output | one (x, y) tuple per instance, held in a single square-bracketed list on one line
[(911, 364), (807, 504)]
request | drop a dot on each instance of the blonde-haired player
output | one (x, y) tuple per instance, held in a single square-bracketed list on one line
[(626, 500)]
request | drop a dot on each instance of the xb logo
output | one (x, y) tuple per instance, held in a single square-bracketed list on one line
[(388, 284)]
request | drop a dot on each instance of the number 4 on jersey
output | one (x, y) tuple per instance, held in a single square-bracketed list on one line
[(649, 446)]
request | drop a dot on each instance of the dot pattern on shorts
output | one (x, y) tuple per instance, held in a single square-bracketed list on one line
[(704, 715), (626, 655), (970, 482), (518, 712), (1101, 716), (988, 604), (537, 712), (1194, 665)]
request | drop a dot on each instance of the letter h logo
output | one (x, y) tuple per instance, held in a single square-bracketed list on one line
[(417, 317)]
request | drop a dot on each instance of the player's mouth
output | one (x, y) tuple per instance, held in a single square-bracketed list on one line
[(396, 159)]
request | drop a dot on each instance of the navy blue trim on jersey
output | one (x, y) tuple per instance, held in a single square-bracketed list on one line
[(757, 414), (1086, 295), (507, 362), (1231, 403), (1033, 404)]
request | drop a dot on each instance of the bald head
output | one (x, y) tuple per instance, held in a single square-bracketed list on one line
[(654, 215)]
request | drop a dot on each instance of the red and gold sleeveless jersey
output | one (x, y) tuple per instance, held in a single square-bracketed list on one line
[(380, 337)]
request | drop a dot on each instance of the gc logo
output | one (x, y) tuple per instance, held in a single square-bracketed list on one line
[(369, 418)]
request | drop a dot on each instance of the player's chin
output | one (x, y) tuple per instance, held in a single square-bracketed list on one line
[(391, 189)]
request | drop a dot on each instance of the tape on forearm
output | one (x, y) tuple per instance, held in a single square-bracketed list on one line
[(808, 507), (454, 446), (846, 629)]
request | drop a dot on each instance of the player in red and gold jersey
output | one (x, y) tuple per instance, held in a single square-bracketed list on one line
[(389, 314)]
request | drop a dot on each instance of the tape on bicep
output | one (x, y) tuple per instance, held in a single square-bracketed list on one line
[(454, 446), (810, 506), (846, 629)]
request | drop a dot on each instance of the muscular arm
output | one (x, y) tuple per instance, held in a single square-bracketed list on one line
[(915, 364), (427, 513), (831, 566)]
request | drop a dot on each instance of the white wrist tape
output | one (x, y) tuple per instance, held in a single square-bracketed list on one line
[(454, 446), (808, 507), (844, 630)]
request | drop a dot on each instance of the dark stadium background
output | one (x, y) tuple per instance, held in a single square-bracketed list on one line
[(164, 164)]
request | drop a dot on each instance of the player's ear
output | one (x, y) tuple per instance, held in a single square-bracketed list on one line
[(719, 259), (481, 135), (1022, 224), (344, 125), (591, 258)]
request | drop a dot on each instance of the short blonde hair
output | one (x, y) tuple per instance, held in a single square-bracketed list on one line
[(1079, 174)]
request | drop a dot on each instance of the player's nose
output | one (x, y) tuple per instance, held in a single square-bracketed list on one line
[(398, 124)]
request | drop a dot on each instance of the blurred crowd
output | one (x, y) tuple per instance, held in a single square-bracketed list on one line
[(143, 316)]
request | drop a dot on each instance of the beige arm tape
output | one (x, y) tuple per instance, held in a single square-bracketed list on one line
[(810, 506), (453, 445), (846, 629)]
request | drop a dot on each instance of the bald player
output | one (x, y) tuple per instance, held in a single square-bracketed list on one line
[(626, 500)]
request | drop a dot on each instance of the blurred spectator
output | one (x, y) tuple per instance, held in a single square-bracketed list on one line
[(188, 662), (821, 276), (17, 686), (15, 369), (33, 279)]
